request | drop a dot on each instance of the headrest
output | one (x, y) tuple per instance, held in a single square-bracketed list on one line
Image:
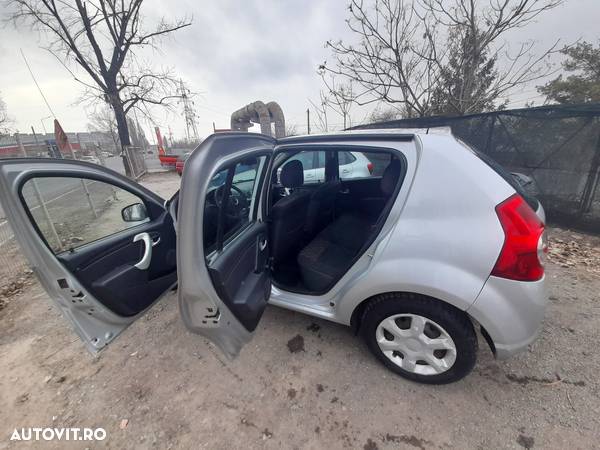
[(390, 177), (292, 174)]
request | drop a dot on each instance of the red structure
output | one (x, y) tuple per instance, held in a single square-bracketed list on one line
[(166, 160)]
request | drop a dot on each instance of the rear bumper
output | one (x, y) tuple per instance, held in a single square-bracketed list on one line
[(511, 312)]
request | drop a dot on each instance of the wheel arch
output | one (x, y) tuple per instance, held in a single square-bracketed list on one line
[(359, 310)]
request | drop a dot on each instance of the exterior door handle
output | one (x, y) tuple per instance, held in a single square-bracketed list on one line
[(145, 261)]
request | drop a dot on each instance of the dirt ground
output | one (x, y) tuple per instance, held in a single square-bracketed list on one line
[(302, 382)]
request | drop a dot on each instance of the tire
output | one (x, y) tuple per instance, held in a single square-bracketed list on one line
[(436, 317)]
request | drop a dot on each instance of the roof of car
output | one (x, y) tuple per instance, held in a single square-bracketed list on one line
[(401, 133)]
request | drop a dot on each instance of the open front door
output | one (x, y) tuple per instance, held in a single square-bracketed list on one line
[(102, 246), (222, 244)]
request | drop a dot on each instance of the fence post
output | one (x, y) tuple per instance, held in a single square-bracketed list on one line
[(490, 136), (128, 160), (591, 183), (85, 189), (89, 199), (38, 194)]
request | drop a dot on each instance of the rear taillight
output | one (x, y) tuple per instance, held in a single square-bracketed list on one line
[(524, 241), (370, 167)]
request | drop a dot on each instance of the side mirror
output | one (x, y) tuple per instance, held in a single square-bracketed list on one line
[(134, 213)]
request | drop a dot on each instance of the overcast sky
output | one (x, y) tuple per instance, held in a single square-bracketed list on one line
[(237, 52)]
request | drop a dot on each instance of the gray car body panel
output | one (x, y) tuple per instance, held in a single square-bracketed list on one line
[(95, 324), (441, 238), (511, 312), (198, 299)]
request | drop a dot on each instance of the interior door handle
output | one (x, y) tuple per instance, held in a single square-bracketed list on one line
[(145, 261), (262, 244)]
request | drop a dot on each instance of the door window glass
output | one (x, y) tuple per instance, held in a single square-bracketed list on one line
[(321, 160), (306, 158), (227, 211), (346, 158), (70, 212), (362, 164), (313, 165)]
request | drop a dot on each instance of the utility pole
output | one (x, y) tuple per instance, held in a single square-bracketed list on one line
[(188, 111), (308, 120)]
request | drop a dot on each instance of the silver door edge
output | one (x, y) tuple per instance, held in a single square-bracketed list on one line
[(201, 309)]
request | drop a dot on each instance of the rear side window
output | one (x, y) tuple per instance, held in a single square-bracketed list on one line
[(306, 158), (353, 164), (346, 158), (313, 165)]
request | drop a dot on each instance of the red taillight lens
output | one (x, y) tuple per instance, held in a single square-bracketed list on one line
[(370, 167), (523, 241)]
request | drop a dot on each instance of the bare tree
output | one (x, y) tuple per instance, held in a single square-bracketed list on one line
[(103, 120), (320, 109), (103, 38), (5, 120), (402, 55), (383, 114), (291, 129), (339, 97)]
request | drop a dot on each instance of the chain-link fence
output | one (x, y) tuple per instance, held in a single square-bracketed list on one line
[(12, 262), (557, 146), (136, 159)]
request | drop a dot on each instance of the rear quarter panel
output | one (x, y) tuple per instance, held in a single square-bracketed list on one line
[(442, 237)]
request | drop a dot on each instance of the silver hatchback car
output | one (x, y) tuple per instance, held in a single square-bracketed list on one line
[(431, 245)]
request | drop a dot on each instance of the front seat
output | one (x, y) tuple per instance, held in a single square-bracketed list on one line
[(322, 202), (288, 215)]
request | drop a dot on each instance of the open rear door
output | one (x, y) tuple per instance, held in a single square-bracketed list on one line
[(222, 242)]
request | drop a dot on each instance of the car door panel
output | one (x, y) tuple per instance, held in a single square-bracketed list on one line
[(94, 285), (107, 269), (222, 293), (241, 278), (354, 191)]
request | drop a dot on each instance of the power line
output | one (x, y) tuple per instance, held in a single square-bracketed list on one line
[(36, 83)]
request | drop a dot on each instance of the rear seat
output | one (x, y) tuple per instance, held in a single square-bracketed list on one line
[(328, 255)]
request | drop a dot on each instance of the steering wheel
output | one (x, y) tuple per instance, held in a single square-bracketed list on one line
[(237, 206)]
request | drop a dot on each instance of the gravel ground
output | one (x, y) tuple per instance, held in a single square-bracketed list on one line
[(302, 382)]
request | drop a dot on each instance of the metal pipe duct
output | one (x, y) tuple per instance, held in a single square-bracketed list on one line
[(277, 118), (258, 112)]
